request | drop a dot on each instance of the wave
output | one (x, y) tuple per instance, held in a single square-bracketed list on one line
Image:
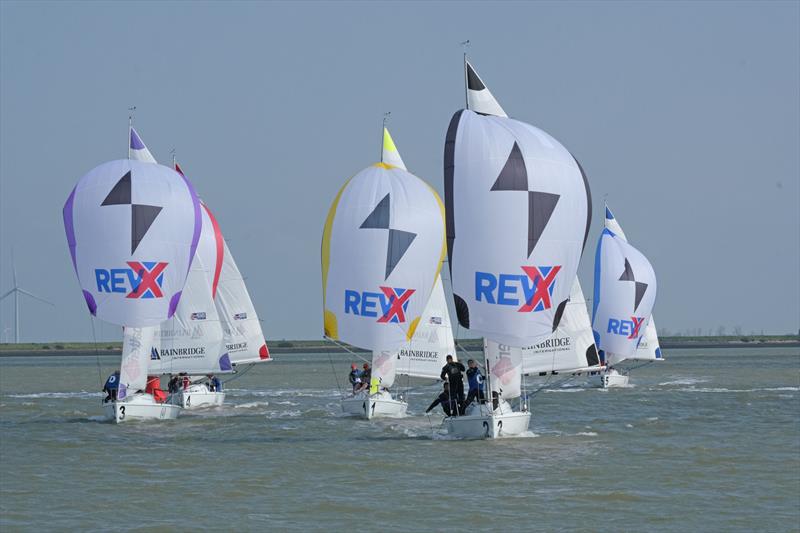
[(683, 381), (81, 394)]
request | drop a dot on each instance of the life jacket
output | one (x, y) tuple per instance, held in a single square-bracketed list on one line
[(374, 385), (160, 396), (475, 378), (153, 384)]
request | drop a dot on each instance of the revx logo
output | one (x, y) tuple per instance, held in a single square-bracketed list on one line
[(532, 290), (625, 327), (390, 302), (141, 280)]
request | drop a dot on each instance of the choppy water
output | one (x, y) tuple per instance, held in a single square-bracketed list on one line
[(709, 440)]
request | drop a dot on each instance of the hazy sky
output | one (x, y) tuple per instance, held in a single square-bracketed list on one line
[(686, 115)]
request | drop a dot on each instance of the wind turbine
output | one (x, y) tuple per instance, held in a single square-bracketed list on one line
[(16, 291)]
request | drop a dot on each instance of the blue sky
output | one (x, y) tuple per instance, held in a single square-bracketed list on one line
[(685, 116)]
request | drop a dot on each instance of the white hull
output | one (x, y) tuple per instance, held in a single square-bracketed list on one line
[(380, 405), (139, 407), (196, 397), (481, 424), (609, 379)]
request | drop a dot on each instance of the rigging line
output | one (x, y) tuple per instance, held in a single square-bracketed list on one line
[(239, 374), (348, 350), (333, 369), (639, 366), (96, 351)]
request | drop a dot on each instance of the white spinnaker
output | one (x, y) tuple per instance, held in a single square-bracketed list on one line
[(132, 228), (136, 343), (517, 215), (244, 339), (625, 291), (382, 248), (505, 368), (571, 347), (648, 348), (433, 340)]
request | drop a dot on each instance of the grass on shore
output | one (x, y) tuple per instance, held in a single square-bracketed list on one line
[(299, 344)]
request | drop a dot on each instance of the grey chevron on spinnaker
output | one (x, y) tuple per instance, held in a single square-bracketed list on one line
[(514, 177), (641, 288), (398, 241), (142, 216)]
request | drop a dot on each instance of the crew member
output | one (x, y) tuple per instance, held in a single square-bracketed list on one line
[(111, 387), (448, 402), (354, 377), (452, 373), (476, 385)]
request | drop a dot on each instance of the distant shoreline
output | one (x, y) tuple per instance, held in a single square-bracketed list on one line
[(285, 347)]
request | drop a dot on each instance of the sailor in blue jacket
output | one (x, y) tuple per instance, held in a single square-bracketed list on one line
[(476, 385), (111, 387)]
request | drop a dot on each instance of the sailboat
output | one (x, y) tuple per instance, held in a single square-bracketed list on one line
[(647, 347), (241, 340), (518, 212), (382, 249), (132, 228)]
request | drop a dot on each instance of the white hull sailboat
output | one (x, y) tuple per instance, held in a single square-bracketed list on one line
[(645, 346), (382, 250), (139, 406), (197, 396), (518, 213), (482, 422), (378, 405)]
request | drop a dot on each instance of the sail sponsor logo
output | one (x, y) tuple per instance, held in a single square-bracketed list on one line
[(630, 328), (531, 291), (419, 355), (142, 279), (388, 306), (240, 316), (556, 343), (180, 353), (436, 320), (236, 346), (201, 315)]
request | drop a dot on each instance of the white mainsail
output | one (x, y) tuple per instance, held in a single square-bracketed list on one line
[(648, 348), (505, 365), (571, 348), (136, 343), (244, 339)]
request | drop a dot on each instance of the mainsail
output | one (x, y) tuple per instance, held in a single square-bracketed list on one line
[(518, 212), (382, 248), (570, 348), (648, 348), (136, 343), (192, 340), (624, 294), (433, 341)]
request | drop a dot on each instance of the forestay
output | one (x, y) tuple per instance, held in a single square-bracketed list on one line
[(132, 229), (570, 348), (433, 341), (518, 212), (624, 294), (382, 248), (648, 348)]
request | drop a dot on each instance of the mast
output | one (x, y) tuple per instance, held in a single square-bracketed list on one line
[(465, 44), (383, 129), (130, 127)]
